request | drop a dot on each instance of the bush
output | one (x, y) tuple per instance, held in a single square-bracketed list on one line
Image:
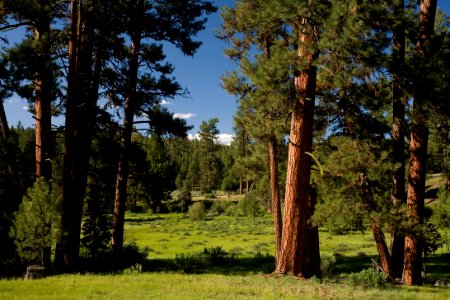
[(251, 205), (181, 200), (368, 278), (328, 266), (197, 211), (132, 258), (231, 210), (219, 207), (191, 263)]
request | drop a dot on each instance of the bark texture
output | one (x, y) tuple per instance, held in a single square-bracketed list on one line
[(275, 190), (81, 108), (412, 266), (298, 240)]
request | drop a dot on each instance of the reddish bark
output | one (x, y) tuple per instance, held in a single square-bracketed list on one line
[(412, 266), (275, 189), (296, 248), (43, 85)]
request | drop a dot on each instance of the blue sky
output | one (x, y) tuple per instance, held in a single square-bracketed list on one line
[(200, 74)]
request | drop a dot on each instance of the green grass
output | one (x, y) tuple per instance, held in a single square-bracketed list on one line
[(180, 286), (171, 234)]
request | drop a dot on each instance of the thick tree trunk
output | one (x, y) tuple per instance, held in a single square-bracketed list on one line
[(81, 111), (398, 193), (275, 190), (296, 248), (412, 266), (123, 168)]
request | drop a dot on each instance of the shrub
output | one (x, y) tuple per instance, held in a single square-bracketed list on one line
[(197, 211), (192, 262), (251, 205), (231, 210), (328, 266), (219, 207), (368, 278)]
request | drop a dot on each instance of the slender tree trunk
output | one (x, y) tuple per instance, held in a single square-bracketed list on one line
[(43, 86), (275, 189), (412, 267), (43, 82), (295, 244), (123, 168), (398, 193)]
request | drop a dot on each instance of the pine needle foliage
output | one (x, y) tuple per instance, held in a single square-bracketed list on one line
[(36, 223)]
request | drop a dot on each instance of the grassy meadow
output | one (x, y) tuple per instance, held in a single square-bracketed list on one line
[(169, 235)]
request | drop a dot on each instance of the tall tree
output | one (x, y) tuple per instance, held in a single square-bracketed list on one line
[(87, 51), (398, 193), (209, 160), (176, 23), (412, 266), (262, 85)]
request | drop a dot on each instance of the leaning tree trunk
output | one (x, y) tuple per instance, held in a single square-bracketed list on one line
[(123, 168), (296, 240), (412, 266), (398, 193), (275, 190)]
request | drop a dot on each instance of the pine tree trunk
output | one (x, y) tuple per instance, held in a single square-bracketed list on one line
[(296, 248), (81, 108), (123, 168), (398, 193), (382, 247), (43, 85), (275, 190), (412, 266), (63, 255)]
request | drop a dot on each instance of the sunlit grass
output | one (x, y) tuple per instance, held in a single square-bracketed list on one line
[(180, 286), (170, 234)]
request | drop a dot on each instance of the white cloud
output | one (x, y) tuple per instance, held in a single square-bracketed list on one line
[(183, 116), (25, 107), (225, 138), (193, 136), (165, 102)]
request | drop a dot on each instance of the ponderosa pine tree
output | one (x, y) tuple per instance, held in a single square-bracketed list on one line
[(414, 244), (177, 24), (93, 30), (398, 193)]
